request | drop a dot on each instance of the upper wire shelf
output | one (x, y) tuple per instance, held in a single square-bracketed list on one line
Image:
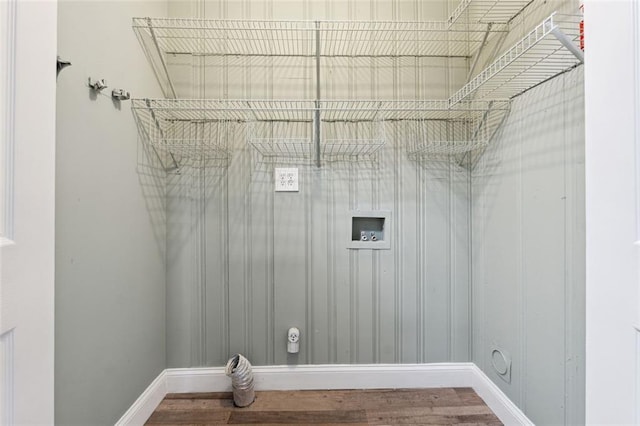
[(165, 39), (549, 49), (179, 36)]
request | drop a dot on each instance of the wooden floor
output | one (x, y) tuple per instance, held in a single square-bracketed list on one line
[(446, 406)]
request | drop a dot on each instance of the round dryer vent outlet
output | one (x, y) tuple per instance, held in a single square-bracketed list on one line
[(501, 363)]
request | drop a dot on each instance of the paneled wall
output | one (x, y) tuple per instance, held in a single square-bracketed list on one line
[(528, 253), (246, 263)]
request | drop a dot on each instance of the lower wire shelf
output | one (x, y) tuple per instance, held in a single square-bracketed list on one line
[(455, 136), (205, 132)]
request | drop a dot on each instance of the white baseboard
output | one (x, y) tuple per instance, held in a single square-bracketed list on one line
[(499, 403), (144, 406), (307, 377)]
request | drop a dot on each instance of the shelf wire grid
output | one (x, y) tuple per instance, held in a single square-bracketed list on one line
[(401, 39), (349, 130), (278, 140), (181, 36), (162, 39), (398, 110), (440, 138), (226, 109), (351, 140), (456, 135), (537, 57), (487, 11)]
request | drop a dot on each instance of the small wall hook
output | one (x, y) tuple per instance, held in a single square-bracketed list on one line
[(120, 94), (60, 65), (98, 85)]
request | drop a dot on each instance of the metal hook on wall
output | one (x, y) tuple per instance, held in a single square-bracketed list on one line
[(98, 85), (60, 65), (120, 94)]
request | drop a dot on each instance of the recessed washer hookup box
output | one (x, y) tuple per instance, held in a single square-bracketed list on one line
[(370, 230)]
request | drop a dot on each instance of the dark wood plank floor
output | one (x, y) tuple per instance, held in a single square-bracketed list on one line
[(445, 406)]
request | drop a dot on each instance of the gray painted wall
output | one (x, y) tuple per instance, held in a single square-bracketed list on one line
[(245, 264), (528, 252), (110, 214)]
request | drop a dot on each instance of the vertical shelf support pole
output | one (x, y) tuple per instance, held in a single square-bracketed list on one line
[(316, 121)]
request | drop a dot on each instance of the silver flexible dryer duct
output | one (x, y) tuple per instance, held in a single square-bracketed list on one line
[(239, 369)]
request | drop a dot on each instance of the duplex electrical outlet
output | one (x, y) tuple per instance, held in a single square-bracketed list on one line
[(286, 179)]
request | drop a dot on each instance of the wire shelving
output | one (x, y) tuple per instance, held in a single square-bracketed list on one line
[(458, 134), (284, 128), (487, 11), (549, 49), (166, 38), (202, 129)]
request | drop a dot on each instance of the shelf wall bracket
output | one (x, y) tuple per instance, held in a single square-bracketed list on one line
[(162, 61), (479, 51), (176, 166), (566, 42), (483, 120)]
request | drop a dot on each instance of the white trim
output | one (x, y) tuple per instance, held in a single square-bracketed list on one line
[(636, 122), (144, 406), (8, 107), (637, 372), (636, 60), (308, 377), (4, 242), (499, 403), (7, 384)]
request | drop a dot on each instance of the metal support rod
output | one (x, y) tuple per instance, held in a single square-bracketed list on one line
[(474, 137), (164, 65), (482, 121), (477, 57), (317, 110), (566, 42), (157, 123)]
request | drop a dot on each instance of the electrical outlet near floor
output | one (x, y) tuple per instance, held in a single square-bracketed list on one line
[(286, 179)]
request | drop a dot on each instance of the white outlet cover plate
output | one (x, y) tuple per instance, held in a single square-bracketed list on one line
[(286, 179)]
